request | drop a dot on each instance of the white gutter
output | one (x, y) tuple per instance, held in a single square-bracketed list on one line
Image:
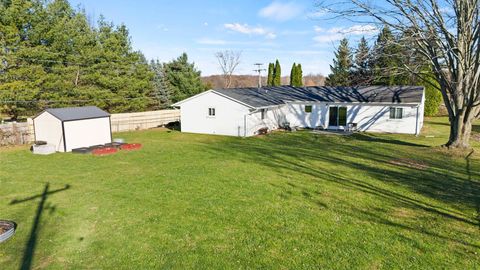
[(417, 132), (356, 103)]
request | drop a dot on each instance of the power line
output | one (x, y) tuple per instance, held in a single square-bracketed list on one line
[(71, 101), (103, 61), (259, 69)]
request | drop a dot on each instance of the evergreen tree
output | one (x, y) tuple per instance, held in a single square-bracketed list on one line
[(341, 67), (362, 74), (271, 68), (51, 57), (387, 58), (277, 74), (183, 78), (299, 76), (293, 75), (433, 96), (161, 94)]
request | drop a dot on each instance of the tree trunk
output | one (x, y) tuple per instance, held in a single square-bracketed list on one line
[(460, 130)]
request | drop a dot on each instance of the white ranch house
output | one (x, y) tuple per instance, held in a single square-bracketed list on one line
[(244, 111)]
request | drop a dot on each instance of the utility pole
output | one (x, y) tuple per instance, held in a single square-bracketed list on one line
[(259, 69)]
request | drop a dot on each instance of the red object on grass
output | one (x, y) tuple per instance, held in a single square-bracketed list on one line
[(104, 151), (131, 146)]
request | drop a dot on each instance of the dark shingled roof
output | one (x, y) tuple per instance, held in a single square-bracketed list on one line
[(77, 113), (276, 95)]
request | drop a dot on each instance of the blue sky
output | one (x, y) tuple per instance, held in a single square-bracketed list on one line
[(292, 31)]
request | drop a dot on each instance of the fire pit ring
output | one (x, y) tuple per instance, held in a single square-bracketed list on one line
[(7, 229)]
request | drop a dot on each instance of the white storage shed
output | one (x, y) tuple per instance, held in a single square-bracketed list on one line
[(73, 127)]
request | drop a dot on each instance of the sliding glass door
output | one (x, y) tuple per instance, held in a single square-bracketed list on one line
[(337, 117)]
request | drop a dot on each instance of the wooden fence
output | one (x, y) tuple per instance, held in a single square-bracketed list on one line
[(16, 133), (23, 133), (143, 120)]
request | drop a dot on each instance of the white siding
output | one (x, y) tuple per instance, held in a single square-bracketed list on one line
[(371, 118), (235, 119), (377, 119), (49, 128), (294, 114), (229, 116), (88, 132), (421, 112)]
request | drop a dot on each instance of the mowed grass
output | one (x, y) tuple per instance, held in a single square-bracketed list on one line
[(282, 201)]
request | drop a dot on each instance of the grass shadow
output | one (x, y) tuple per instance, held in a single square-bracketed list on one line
[(476, 128), (441, 180), (372, 138), (29, 252), (173, 126)]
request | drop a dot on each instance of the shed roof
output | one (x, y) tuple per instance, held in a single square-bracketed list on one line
[(77, 113), (277, 95)]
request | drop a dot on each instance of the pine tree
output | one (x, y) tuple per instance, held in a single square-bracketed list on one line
[(183, 78), (293, 75), (271, 68), (62, 60), (387, 58), (362, 73), (277, 74), (341, 67), (299, 76), (161, 94)]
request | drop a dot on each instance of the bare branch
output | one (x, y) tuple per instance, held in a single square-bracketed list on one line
[(445, 32), (228, 61)]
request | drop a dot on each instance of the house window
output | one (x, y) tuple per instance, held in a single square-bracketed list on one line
[(211, 111), (263, 113), (308, 108), (396, 113)]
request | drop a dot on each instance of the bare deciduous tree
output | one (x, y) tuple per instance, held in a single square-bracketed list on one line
[(447, 34), (228, 61)]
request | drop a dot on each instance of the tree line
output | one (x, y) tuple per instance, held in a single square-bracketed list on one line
[(392, 60), (52, 56)]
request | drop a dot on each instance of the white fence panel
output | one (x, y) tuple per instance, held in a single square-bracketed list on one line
[(143, 120)]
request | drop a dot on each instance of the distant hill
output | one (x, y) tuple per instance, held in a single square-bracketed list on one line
[(216, 81)]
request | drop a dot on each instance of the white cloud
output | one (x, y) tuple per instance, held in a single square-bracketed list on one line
[(205, 24), (271, 36), (281, 11), (250, 30), (328, 38), (317, 14), (318, 29), (337, 33)]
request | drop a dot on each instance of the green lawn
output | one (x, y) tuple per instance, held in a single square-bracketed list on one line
[(286, 200)]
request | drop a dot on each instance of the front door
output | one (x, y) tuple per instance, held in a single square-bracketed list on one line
[(337, 117)]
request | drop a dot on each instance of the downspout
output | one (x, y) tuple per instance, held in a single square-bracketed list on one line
[(64, 140), (245, 126), (416, 123)]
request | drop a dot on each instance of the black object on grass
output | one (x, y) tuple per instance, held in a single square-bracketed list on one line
[(82, 150), (7, 229)]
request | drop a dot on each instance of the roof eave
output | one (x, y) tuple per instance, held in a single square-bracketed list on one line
[(178, 104)]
